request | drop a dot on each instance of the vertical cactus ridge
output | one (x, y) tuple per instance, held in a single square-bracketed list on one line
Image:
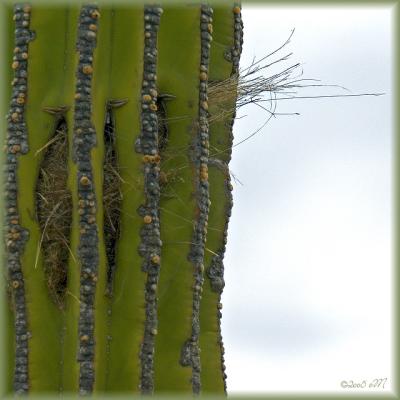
[(101, 64), (8, 344), (236, 52), (225, 57), (179, 51), (191, 351), (84, 141), (147, 144), (117, 81), (16, 235)]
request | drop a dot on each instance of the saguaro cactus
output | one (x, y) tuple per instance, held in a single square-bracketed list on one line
[(118, 196)]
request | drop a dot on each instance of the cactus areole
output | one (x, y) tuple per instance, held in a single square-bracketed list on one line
[(118, 196)]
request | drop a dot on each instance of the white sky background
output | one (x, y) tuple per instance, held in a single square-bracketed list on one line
[(307, 301)]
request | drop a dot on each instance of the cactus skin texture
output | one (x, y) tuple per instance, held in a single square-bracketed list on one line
[(137, 306)]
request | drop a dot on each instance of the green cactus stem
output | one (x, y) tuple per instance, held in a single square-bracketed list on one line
[(116, 208)]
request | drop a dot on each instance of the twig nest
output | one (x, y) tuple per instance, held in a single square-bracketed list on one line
[(87, 69), (147, 219)]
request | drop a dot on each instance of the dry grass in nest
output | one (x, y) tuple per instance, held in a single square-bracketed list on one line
[(54, 213), (112, 198)]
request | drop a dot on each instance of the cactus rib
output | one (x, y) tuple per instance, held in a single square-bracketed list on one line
[(150, 247), (17, 143), (224, 65), (216, 270), (191, 350), (84, 140)]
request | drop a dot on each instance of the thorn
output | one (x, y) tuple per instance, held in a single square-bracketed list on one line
[(166, 96), (116, 103), (56, 110)]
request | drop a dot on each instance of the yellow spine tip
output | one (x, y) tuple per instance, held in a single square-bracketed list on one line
[(147, 219), (87, 69), (203, 76), (155, 259), (146, 98), (236, 10), (85, 181)]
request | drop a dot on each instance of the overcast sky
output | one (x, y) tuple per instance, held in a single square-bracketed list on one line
[(307, 302)]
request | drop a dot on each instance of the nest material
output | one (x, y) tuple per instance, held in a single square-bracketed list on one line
[(112, 198), (54, 213)]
